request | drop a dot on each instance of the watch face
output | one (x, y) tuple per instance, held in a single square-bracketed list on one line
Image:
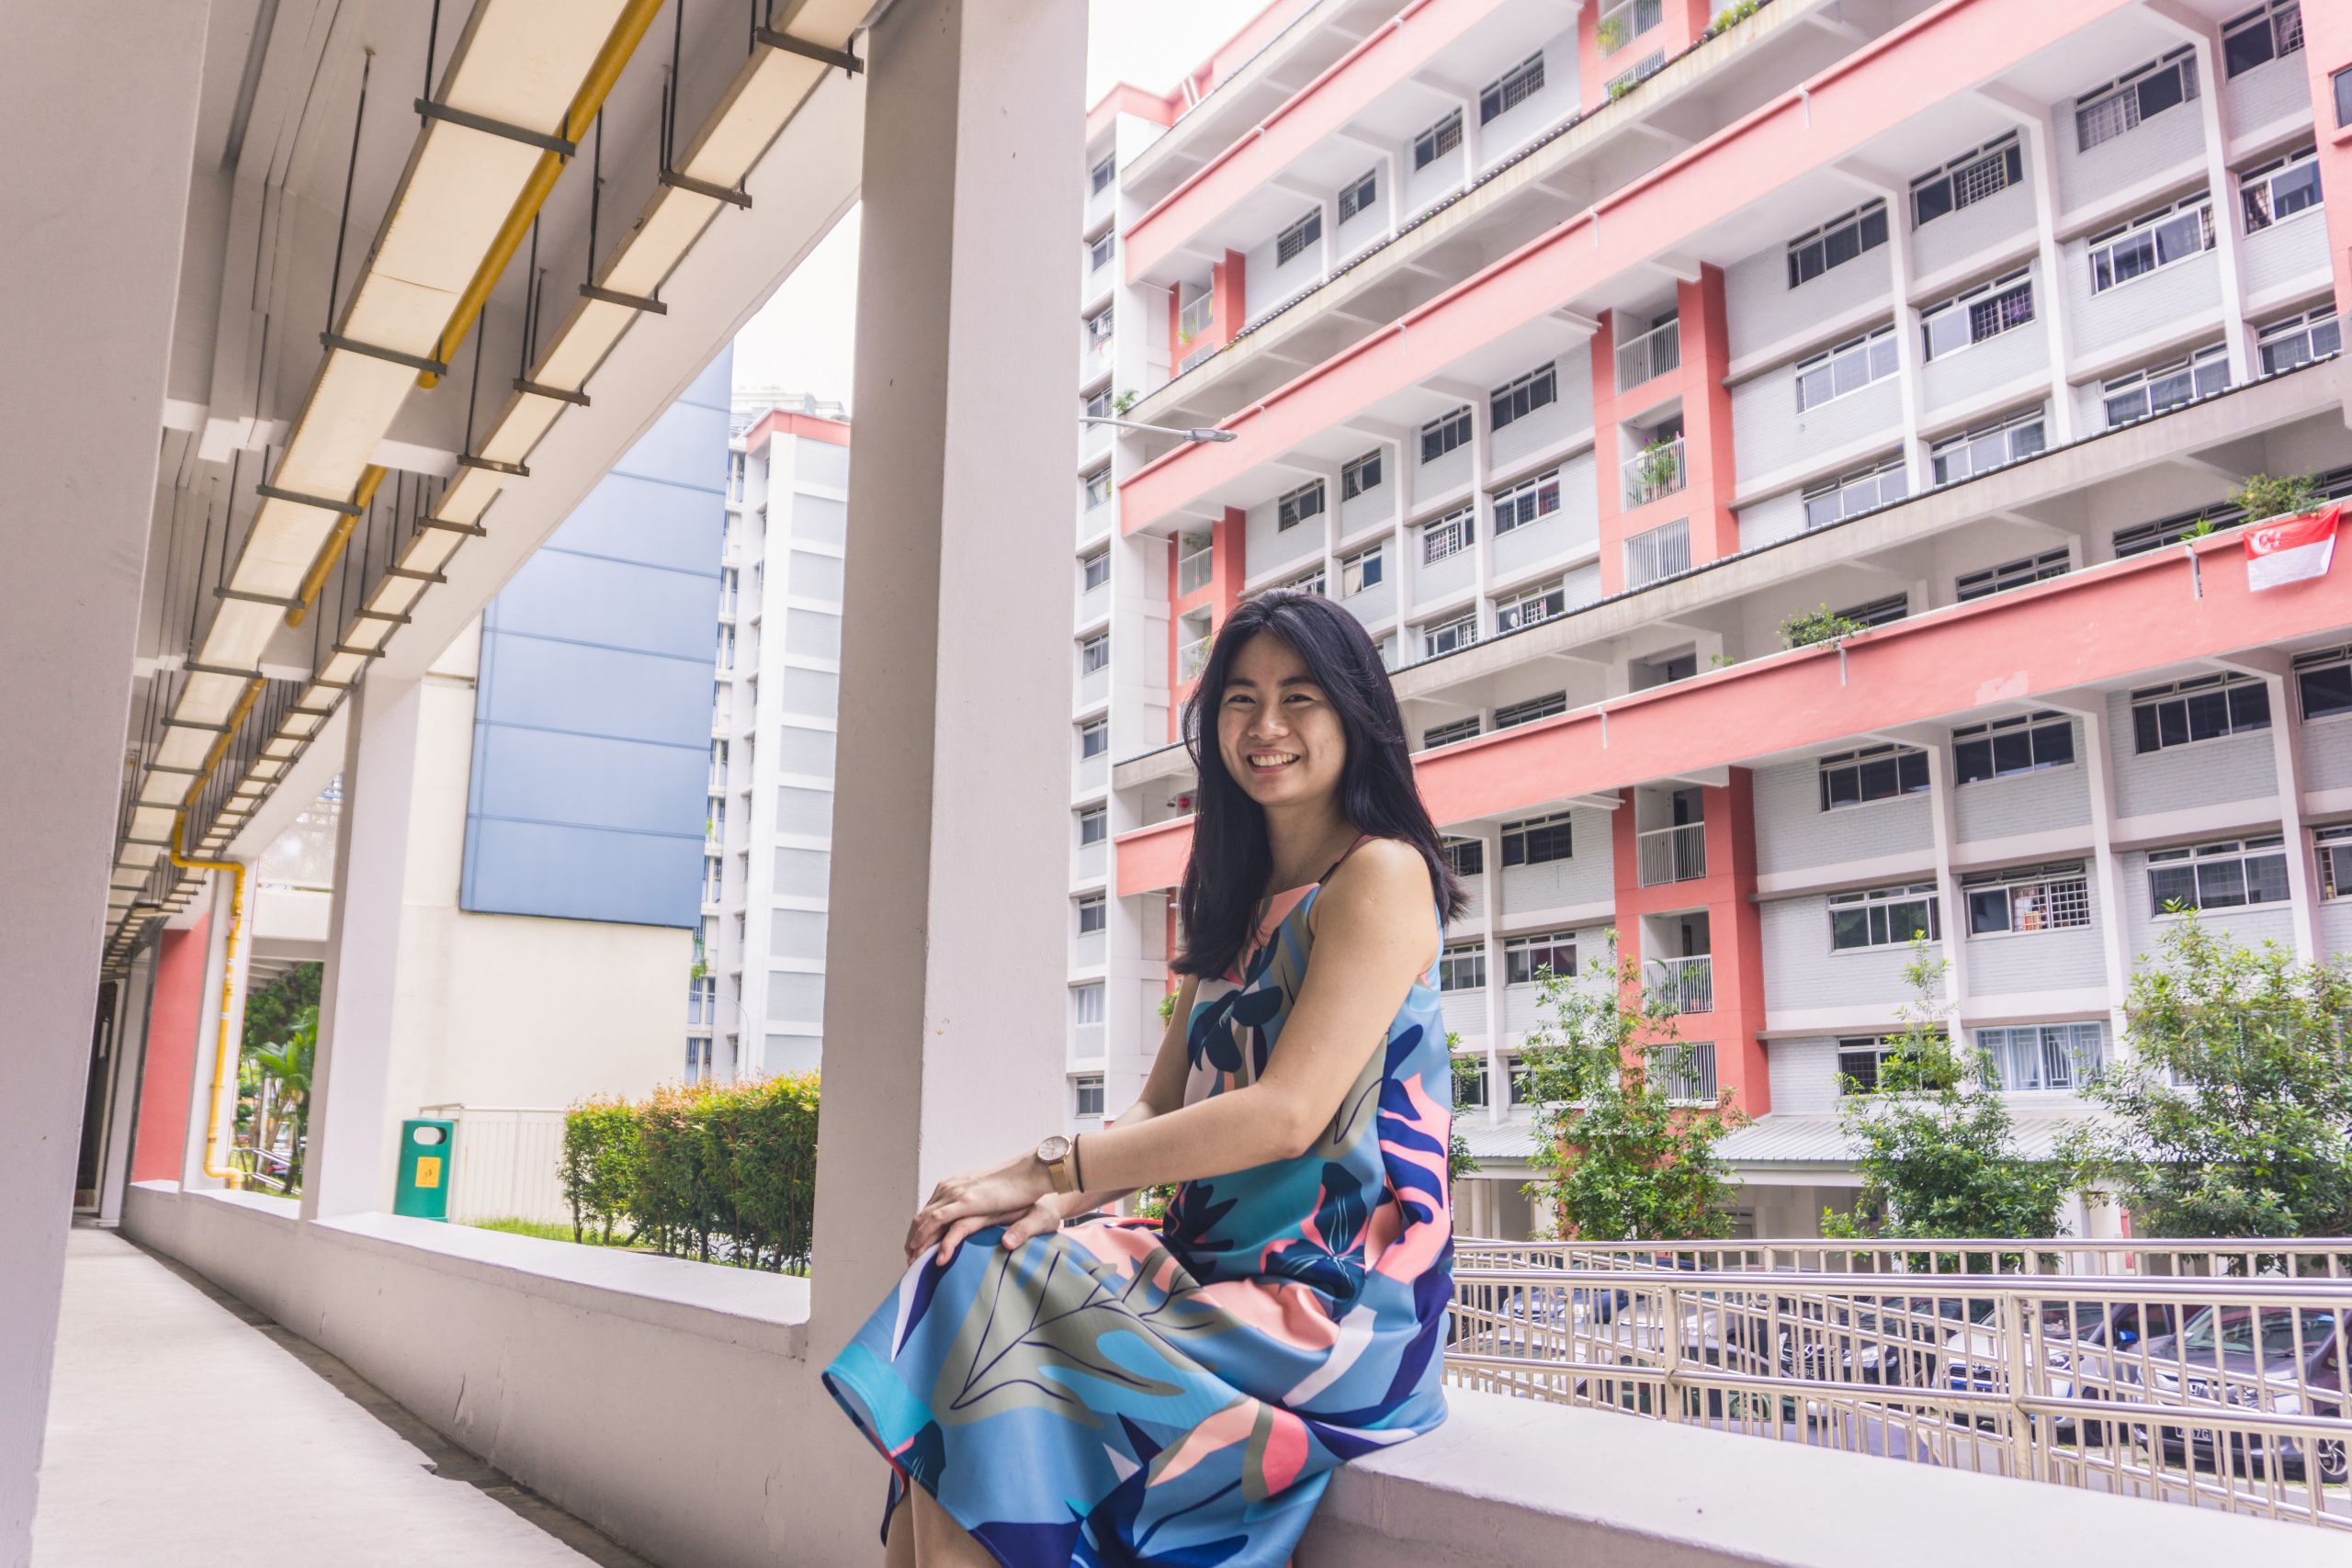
[(1054, 1148)]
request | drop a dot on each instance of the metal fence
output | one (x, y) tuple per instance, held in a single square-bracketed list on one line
[(2223, 1390), (2328, 1258)]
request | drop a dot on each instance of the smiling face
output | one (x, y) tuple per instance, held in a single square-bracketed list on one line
[(1275, 728)]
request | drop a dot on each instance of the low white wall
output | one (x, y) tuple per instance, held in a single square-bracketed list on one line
[(672, 1406)]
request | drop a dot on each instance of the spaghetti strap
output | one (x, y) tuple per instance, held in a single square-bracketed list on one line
[(1343, 855)]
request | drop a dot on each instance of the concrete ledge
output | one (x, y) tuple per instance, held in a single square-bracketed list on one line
[(1509, 1482)]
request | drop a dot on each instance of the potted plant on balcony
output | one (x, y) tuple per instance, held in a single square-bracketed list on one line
[(1658, 468), (1608, 33)]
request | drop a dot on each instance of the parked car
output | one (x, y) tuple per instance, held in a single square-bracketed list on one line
[(1975, 1362), (2289, 1362)]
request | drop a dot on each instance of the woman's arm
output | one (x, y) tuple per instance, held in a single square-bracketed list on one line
[(1376, 933)]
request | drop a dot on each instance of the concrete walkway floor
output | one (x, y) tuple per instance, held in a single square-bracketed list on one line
[(187, 1431)]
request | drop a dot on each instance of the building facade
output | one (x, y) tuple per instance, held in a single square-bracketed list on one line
[(1585, 353), (756, 999)]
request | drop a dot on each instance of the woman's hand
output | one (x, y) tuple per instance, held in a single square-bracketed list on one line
[(1000, 1195)]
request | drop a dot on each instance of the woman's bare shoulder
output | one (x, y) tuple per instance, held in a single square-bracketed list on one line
[(1382, 878)]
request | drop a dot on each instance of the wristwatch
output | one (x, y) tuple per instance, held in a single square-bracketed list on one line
[(1054, 1154)]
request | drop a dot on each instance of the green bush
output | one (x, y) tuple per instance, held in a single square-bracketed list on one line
[(721, 1172)]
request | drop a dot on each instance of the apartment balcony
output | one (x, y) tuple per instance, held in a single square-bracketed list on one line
[(1191, 657), (1093, 604), (1650, 356), (1090, 862), (1654, 472), (1094, 522), (1658, 553), (1671, 855), (1687, 985), (1195, 565)]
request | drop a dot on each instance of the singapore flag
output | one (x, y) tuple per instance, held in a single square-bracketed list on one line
[(2290, 549)]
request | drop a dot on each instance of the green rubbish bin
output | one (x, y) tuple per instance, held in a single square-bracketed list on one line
[(427, 1147)]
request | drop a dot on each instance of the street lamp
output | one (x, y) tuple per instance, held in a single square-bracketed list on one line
[(1195, 435)]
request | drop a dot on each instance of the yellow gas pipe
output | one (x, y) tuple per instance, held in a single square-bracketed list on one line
[(227, 1048), (315, 579)]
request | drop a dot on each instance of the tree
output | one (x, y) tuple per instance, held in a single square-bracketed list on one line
[(2264, 496), (1938, 1158), (284, 1065), (1459, 1161), (2232, 1115), (1621, 1160), (1824, 625)]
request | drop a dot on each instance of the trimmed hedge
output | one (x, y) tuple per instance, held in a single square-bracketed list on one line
[(724, 1172)]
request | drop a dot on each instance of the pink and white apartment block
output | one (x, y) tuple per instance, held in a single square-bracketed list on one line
[(1576, 348)]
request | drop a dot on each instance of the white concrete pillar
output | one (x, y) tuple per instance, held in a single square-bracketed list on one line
[(348, 1165), (221, 1007), (91, 273), (945, 1021), (137, 1003)]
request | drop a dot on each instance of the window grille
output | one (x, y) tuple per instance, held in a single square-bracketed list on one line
[(1968, 179), (1510, 89), (1291, 243), (1655, 554), (2107, 112), (1359, 194), (1884, 916), (2006, 747), (1984, 311), (1437, 140), (1525, 501), (1447, 734), (1446, 536), (1859, 1057), (2266, 33), (2205, 708), (1538, 840), (2033, 898), (1509, 714), (1877, 612), (1531, 606), (1445, 636), (1873, 773), (2012, 574)]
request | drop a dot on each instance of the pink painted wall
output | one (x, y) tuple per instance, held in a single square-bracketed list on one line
[(166, 1080)]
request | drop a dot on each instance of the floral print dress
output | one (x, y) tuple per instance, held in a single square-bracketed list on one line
[(1132, 1390)]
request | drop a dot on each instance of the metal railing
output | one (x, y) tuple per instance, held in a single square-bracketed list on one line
[(1658, 553), (2220, 1393), (1191, 657), (2319, 1258), (1672, 854), (1195, 319), (1622, 23), (1650, 356), (1655, 472), (1687, 984), (1193, 567)]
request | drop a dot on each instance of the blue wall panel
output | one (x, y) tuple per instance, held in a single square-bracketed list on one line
[(592, 709)]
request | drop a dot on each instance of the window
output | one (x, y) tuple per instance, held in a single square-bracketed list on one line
[(2030, 898), (1470, 1082), (2107, 112), (2141, 537), (1521, 1083), (1093, 653), (1297, 506), (1440, 436), (1850, 495), (735, 476), (1512, 88), (1090, 914), (1445, 636), (1437, 140), (1525, 501), (1093, 826), (1538, 840), (1524, 956), (1360, 571), (1446, 536), (2323, 681), (2299, 340), (2165, 386), (1874, 612), (2280, 189), (1858, 1061), (1096, 569), (727, 647), (1849, 367), (1516, 400), (1359, 194), (2150, 242), (2006, 747), (1462, 966), (1530, 605), (2342, 82), (1360, 476), (2012, 574), (2266, 33), (1100, 177), (1884, 916), (2334, 862), (1098, 488), (1310, 583), (1086, 1003), (1467, 857), (1986, 311), (1098, 254), (1093, 737), (2043, 1056), (2202, 709), (1291, 243), (1447, 734), (1983, 447), (1098, 327), (2226, 875), (1968, 179), (1836, 243), (1098, 403), (1509, 714), (1874, 773), (1088, 1094)]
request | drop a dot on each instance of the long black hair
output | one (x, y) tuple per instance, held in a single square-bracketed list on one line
[(1231, 860)]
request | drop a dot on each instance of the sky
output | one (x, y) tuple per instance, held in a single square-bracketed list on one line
[(801, 341)]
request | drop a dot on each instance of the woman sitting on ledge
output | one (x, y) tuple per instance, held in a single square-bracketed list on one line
[(1112, 1390)]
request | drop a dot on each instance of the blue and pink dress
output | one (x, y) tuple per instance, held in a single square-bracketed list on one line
[(1178, 1392)]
